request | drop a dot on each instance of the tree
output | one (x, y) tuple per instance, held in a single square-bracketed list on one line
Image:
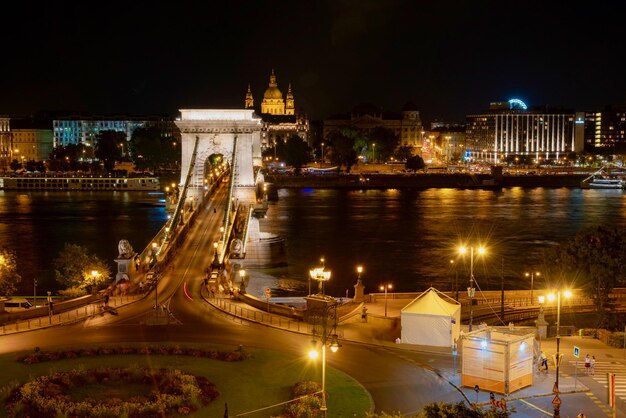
[(74, 268), (342, 149), (8, 272), (152, 149), (15, 165), (297, 152), (595, 260), (403, 153), (108, 148), (386, 142), (415, 163)]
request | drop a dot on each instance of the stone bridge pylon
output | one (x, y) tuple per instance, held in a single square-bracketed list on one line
[(218, 129)]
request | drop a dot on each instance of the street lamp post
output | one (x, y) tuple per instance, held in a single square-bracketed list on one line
[(471, 290), (321, 276), (322, 153), (50, 306), (385, 287), (456, 280), (35, 292), (242, 275), (374, 153), (551, 297), (328, 338), (532, 275)]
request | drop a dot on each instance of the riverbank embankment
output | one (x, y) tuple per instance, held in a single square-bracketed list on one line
[(422, 180)]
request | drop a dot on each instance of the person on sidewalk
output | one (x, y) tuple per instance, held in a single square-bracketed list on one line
[(543, 362), (587, 364), (592, 367)]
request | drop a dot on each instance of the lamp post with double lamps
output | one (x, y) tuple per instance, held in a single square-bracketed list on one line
[(471, 290), (551, 298), (532, 275), (385, 287)]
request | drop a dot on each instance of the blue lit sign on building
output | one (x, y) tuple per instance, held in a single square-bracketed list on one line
[(513, 103)]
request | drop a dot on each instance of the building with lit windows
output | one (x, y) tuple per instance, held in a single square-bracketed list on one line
[(605, 131), (84, 129), (279, 116), (512, 129), (31, 140), (406, 124), (5, 142)]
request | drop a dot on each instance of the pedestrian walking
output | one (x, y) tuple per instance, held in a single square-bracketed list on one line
[(592, 367), (543, 362), (364, 314), (587, 364), (106, 299)]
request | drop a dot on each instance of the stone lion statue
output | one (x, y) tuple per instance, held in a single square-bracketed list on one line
[(125, 249), (236, 248)]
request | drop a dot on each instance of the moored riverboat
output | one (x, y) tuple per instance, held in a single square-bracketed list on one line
[(602, 183), (80, 183)]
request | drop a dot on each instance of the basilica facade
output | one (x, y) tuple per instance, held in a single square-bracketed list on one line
[(279, 116)]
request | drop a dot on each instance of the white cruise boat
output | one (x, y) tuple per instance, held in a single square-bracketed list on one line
[(80, 183), (602, 183)]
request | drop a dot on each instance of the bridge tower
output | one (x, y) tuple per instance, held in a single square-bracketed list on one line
[(219, 131)]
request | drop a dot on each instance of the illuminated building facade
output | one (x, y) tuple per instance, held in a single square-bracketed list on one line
[(407, 124), (84, 129), (279, 116), (31, 140), (5, 142), (511, 129), (605, 132)]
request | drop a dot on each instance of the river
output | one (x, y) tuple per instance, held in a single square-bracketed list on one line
[(405, 237), (408, 237), (37, 224)]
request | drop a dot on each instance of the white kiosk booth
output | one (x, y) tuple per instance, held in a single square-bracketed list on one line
[(497, 359)]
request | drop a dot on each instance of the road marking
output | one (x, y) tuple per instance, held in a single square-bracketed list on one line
[(535, 407)]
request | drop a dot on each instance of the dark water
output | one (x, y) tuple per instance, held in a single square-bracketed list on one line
[(37, 225), (408, 237)]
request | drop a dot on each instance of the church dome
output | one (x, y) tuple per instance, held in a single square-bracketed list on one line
[(273, 93)]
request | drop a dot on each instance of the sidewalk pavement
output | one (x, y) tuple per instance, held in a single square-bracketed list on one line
[(68, 317), (382, 331)]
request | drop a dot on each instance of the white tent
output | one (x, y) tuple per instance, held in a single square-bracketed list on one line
[(432, 318)]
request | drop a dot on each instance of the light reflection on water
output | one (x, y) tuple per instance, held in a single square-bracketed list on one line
[(409, 236), (37, 224), (404, 236)]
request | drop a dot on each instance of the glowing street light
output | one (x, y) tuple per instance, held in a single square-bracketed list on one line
[(328, 338), (471, 290), (385, 287), (532, 281), (551, 297)]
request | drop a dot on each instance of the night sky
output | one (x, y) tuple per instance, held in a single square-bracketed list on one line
[(450, 58)]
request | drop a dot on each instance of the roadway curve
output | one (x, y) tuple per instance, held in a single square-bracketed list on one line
[(396, 380)]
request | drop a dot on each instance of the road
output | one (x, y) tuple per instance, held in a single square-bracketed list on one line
[(393, 382)]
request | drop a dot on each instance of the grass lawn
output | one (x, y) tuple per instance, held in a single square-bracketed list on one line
[(263, 380)]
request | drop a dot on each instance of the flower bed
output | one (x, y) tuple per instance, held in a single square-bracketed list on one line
[(173, 393), (307, 401), (39, 356)]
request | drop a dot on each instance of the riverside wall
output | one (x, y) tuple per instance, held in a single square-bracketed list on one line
[(422, 181)]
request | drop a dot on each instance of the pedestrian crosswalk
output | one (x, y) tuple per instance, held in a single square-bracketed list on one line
[(600, 372)]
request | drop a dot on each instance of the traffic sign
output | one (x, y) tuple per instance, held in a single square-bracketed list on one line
[(556, 400), (555, 388), (477, 388), (576, 352)]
